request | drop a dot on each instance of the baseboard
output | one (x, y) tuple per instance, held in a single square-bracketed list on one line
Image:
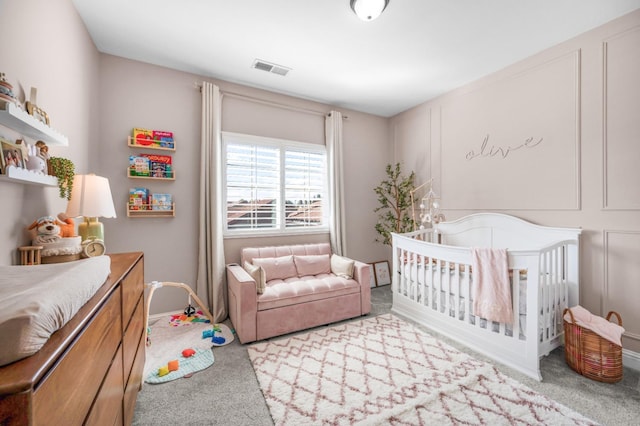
[(631, 359)]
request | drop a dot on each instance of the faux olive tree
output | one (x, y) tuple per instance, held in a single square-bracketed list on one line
[(394, 196)]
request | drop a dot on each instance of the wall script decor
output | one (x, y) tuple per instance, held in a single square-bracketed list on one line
[(513, 144), (500, 151)]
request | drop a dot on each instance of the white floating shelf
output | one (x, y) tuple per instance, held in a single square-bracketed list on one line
[(17, 174), (25, 124)]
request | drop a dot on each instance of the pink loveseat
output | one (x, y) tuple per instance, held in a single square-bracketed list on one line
[(294, 298)]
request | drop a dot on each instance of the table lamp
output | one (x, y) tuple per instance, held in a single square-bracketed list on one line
[(91, 198)]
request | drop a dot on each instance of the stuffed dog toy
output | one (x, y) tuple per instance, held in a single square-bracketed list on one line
[(47, 230), (67, 226)]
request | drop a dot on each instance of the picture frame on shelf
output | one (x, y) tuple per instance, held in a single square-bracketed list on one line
[(382, 273), (11, 155), (37, 113), (3, 167)]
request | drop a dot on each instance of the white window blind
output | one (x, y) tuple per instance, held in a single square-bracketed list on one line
[(274, 185)]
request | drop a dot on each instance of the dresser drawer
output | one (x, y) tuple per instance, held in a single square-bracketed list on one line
[(132, 287), (65, 395), (134, 383), (107, 407), (132, 337)]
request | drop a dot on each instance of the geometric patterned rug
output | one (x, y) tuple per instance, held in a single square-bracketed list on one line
[(382, 370)]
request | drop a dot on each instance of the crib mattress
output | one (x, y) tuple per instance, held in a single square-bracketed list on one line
[(35, 301)]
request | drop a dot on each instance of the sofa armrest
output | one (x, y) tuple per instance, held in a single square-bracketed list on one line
[(243, 302), (362, 274)]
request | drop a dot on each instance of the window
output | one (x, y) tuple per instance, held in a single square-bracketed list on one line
[(274, 186)]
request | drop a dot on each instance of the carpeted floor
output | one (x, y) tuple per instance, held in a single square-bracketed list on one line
[(227, 393)]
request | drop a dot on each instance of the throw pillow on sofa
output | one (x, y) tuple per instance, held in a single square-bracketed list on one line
[(257, 273), (342, 266), (312, 264), (277, 267)]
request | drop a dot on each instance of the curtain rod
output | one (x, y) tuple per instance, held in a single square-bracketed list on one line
[(271, 103)]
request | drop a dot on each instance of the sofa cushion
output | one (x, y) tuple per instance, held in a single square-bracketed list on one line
[(250, 253), (257, 273), (277, 268), (313, 264), (342, 266), (291, 291)]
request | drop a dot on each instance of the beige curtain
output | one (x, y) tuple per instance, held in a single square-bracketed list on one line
[(337, 231), (211, 283)]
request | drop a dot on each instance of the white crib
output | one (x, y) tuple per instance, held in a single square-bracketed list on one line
[(432, 284)]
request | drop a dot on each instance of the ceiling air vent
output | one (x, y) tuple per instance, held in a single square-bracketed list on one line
[(269, 67)]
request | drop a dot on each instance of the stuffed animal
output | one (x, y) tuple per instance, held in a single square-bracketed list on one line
[(67, 226), (47, 230), (43, 150)]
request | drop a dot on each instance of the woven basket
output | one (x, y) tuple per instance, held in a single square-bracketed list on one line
[(591, 355)]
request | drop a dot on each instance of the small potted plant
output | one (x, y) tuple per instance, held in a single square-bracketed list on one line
[(64, 170)]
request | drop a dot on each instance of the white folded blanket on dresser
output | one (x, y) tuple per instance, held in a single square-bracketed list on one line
[(35, 301)]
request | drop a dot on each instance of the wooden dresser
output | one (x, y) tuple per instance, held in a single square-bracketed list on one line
[(89, 371)]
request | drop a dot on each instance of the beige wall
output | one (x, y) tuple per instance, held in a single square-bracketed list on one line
[(579, 101), (134, 94), (44, 44)]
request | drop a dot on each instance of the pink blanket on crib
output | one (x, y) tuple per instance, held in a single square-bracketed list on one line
[(492, 289)]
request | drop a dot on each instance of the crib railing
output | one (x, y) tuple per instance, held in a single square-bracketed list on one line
[(432, 283), (444, 285), (556, 281)]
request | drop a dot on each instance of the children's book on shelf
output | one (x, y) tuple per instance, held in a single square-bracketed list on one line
[(160, 165), (139, 166), (161, 202), (138, 199), (153, 138)]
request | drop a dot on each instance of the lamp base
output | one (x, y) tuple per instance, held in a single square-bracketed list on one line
[(91, 228)]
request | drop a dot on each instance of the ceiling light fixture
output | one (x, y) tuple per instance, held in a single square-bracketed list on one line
[(368, 10)]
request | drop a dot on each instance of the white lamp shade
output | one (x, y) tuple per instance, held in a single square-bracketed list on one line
[(368, 10), (91, 197)]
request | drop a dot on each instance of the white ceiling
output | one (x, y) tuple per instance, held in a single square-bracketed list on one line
[(415, 51)]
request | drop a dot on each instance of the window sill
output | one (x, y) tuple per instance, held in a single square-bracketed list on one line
[(263, 234)]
